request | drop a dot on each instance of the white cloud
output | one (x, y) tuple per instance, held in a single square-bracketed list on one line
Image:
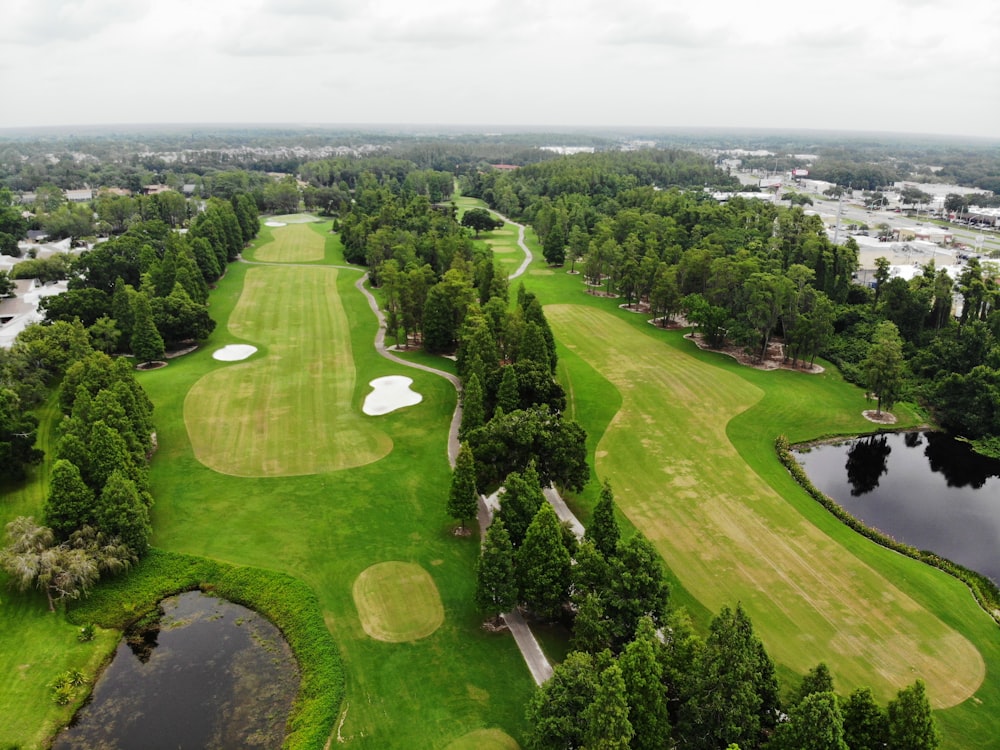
[(892, 65)]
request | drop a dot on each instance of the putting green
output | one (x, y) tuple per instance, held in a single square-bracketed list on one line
[(730, 537), (292, 411), (295, 243), (397, 602)]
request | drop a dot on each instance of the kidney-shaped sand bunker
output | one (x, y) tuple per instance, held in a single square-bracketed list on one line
[(397, 602), (390, 393)]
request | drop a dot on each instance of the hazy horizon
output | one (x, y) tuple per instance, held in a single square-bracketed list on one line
[(900, 67)]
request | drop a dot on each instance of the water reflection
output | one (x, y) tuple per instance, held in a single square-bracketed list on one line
[(925, 489), (208, 674), (866, 463)]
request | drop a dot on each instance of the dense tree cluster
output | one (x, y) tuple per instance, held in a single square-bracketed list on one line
[(639, 675), (147, 289)]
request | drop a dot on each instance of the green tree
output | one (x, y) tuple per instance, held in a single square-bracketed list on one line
[(911, 724), (104, 334), (591, 629), (463, 499), (866, 724), (496, 583), (644, 687), (543, 565), (817, 680), (636, 588), (883, 368), (508, 397), (70, 504), (122, 514), (18, 431), (816, 723), (473, 414), (480, 220), (603, 528), (607, 716), (520, 500), (147, 344), (731, 694), (555, 712)]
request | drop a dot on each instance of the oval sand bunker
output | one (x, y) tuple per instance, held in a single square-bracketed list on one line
[(391, 392), (233, 352), (275, 224)]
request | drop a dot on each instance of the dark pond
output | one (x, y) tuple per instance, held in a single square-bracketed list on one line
[(209, 674), (922, 488)]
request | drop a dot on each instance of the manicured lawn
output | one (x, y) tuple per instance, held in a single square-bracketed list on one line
[(290, 409), (328, 527), (397, 602), (502, 241), (728, 536), (296, 243)]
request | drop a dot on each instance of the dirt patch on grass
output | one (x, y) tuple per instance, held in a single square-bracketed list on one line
[(397, 602), (773, 360)]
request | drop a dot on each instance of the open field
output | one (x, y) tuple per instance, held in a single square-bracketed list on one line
[(291, 411), (728, 536), (295, 243)]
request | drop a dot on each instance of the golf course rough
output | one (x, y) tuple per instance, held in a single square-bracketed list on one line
[(293, 411), (729, 537), (397, 602)]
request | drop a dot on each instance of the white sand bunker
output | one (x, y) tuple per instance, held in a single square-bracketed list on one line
[(275, 224), (233, 352), (391, 392)]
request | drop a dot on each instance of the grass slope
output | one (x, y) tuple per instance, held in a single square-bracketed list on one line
[(728, 536)]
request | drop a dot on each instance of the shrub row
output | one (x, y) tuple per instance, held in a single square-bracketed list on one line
[(983, 589), (286, 601)]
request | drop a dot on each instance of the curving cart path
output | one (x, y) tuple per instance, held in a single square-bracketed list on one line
[(538, 665)]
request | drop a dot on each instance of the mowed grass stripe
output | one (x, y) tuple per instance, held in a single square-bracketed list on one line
[(295, 243), (291, 411), (729, 537)]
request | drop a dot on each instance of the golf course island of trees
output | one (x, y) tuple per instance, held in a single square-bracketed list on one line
[(644, 365)]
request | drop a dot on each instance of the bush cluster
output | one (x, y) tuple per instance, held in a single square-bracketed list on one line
[(983, 589)]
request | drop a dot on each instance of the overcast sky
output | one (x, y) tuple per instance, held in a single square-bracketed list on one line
[(893, 65)]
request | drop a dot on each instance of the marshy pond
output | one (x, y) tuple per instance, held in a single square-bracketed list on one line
[(923, 488), (206, 674)]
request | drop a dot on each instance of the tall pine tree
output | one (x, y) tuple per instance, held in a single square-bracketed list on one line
[(463, 499), (496, 584)]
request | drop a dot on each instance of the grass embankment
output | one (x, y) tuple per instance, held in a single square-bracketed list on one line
[(283, 599)]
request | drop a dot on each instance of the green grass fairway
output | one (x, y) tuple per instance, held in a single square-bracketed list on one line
[(502, 241), (292, 411), (397, 602), (728, 536), (484, 739), (296, 243)]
